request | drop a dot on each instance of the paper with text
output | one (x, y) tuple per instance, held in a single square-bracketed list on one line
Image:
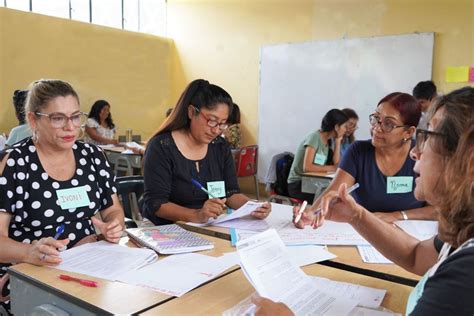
[(421, 230), (244, 210), (371, 255), (266, 264)]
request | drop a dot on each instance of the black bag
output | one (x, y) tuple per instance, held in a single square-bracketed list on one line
[(283, 166)]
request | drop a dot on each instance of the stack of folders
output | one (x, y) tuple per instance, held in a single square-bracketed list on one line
[(169, 239)]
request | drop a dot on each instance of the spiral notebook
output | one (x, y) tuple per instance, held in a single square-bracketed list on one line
[(169, 239)]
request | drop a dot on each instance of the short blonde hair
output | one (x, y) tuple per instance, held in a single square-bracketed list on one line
[(44, 90)]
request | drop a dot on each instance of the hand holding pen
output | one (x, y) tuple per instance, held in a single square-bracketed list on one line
[(211, 208), (46, 250)]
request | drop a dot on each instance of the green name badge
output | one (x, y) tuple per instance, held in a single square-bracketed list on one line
[(320, 159), (73, 197), (399, 185), (216, 189)]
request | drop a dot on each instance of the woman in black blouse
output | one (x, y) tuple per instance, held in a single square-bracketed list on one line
[(51, 186), (187, 146)]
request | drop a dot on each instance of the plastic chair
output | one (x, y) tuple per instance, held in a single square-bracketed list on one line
[(247, 164), (123, 166), (129, 190)]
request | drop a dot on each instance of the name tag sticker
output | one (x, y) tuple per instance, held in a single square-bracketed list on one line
[(399, 185), (216, 189), (320, 159), (73, 197)]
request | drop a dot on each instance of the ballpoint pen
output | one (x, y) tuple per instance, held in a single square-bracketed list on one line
[(88, 283), (59, 231), (300, 212), (199, 185), (349, 191)]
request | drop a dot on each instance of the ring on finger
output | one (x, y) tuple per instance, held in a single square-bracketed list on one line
[(43, 256)]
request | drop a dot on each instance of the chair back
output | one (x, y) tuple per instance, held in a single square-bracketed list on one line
[(129, 190), (122, 166), (247, 161)]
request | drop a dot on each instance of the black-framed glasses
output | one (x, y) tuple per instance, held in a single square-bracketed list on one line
[(59, 120), (422, 136), (385, 125), (211, 122)]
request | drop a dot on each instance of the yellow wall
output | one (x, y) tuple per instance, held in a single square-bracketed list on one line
[(220, 39), (133, 71)]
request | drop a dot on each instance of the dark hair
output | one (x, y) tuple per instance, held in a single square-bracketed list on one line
[(19, 98), (201, 94), (424, 90), (234, 117), (95, 112), (406, 105), (331, 119), (456, 146), (350, 113), (168, 112)]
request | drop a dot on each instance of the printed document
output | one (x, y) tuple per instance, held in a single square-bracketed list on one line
[(266, 264)]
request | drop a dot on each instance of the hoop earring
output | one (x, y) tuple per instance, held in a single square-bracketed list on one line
[(34, 136)]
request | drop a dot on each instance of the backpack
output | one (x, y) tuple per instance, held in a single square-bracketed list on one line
[(283, 166)]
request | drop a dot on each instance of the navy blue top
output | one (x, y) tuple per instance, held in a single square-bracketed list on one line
[(168, 175), (359, 161)]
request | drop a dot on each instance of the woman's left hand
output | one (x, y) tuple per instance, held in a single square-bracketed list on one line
[(112, 230), (263, 211), (388, 217)]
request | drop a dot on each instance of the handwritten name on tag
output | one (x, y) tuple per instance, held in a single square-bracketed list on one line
[(399, 185), (73, 197), (216, 189), (320, 159)]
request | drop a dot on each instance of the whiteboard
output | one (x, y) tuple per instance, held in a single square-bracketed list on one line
[(300, 82)]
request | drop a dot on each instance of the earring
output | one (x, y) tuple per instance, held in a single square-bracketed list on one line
[(405, 140), (34, 136)]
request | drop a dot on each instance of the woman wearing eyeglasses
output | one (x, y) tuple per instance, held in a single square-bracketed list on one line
[(187, 146), (51, 185), (444, 157), (382, 165)]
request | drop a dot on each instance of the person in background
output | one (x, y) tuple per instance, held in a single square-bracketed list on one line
[(188, 146), (21, 131), (232, 133), (312, 153), (444, 156), (40, 172), (382, 165), (351, 127), (100, 128), (425, 93)]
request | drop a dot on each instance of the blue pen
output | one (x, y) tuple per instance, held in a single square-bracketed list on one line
[(199, 185), (59, 231), (349, 191)]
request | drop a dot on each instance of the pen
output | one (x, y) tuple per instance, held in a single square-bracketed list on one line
[(199, 185), (88, 283), (349, 191), (300, 212), (59, 231)]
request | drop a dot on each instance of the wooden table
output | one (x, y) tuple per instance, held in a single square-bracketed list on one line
[(33, 286), (348, 258), (222, 294)]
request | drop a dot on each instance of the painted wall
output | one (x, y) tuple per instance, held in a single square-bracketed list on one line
[(220, 39), (133, 71)]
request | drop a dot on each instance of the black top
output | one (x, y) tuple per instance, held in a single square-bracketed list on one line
[(450, 291), (168, 175), (29, 195)]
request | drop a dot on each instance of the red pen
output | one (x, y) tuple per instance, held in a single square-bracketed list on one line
[(81, 281)]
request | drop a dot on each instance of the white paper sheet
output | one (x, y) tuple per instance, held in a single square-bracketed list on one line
[(421, 230), (193, 269), (244, 210), (267, 266), (361, 311), (247, 223), (105, 260), (371, 255), (308, 254)]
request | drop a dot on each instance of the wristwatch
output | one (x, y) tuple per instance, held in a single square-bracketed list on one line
[(404, 215)]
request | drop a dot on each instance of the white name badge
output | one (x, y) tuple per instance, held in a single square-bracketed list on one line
[(320, 159), (73, 197), (399, 185), (216, 189)]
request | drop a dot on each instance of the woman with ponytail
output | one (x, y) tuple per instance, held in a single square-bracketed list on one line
[(187, 147)]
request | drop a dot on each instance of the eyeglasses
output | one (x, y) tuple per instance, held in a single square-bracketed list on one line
[(211, 122), (385, 125), (422, 136), (59, 120)]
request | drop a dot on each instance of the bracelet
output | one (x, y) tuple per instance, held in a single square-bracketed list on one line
[(404, 215)]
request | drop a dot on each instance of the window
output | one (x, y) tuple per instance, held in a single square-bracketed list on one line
[(80, 10), (107, 13), (59, 8), (23, 5), (130, 15), (153, 17)]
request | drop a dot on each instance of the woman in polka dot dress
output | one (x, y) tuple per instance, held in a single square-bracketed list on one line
[(50, 180)]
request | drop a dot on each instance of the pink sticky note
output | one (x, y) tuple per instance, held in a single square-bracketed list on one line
[(471, 74)]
